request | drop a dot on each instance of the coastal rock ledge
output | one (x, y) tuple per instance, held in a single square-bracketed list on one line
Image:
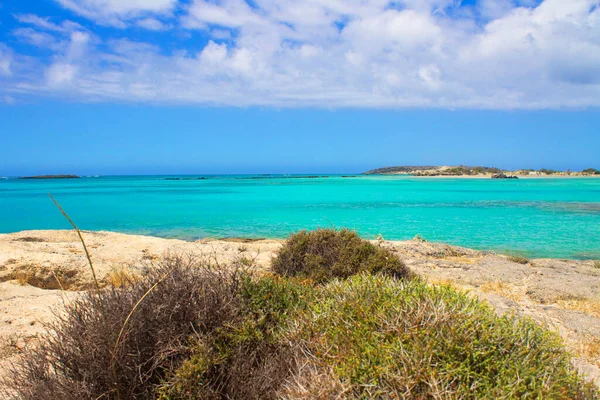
[(504, 176)]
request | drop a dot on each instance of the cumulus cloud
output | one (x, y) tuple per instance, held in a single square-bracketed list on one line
[(341, 53)]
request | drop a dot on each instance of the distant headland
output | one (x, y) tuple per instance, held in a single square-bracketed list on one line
[(50, 177), (463, 170)]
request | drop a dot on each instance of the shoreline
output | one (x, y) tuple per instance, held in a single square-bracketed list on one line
[(268, 239)]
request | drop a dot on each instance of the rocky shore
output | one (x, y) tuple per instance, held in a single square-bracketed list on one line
[(41, 269)]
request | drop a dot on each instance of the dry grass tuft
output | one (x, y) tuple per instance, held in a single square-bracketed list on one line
[(445, 282), (14, 344), (519, 259), (24, 276), (147, 256), (30, 239), (590, 307), (589, 347), (315, 382), (121, 277), (504, 289), (462, 259)]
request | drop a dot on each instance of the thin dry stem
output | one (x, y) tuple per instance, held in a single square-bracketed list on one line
[(87, 253)]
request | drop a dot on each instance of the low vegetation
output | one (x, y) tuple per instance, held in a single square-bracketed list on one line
[(341, 318), (99, 348), (463, 170), (121, 276), (591, 171), (519, 259), (249, 357), (401, 169), (587, 306), (548, 171), (410, 340), (328, 253)]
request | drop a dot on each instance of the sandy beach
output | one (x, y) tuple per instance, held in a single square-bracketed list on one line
[(41, 269)]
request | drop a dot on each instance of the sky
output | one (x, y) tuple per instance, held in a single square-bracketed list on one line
[(295, 86)]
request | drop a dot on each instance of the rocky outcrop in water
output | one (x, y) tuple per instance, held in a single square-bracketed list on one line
[(51, 177), (504, 176)]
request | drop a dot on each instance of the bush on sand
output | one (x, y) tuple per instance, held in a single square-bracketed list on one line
[(325, 254)]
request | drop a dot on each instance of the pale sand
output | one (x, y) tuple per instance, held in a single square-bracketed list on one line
[(563, 294)]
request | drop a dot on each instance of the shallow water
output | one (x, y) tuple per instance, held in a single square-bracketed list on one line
[(538, 217)]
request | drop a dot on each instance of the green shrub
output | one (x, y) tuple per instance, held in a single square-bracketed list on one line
[(548, 171), (247, 358), (457, 171), (377, 337), (324, 254), (591, 171)]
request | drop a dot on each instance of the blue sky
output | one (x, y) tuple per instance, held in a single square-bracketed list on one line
[(226, 86)]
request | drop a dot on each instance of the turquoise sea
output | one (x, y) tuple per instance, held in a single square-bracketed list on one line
[(536, 217)]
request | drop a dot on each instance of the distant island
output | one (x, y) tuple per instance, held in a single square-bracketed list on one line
[(463, 170), (50, 177)]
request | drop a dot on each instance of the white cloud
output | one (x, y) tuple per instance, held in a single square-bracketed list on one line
[(116, 12), (330, 53), (78, 45), (60, 73), (430, 74), (64, 69), (406, 30), (5, 67), (229, 13), (310, 51), (33, 37), (214, 53), (220, 34), (151, 24), (5, 61), (46, 24)]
